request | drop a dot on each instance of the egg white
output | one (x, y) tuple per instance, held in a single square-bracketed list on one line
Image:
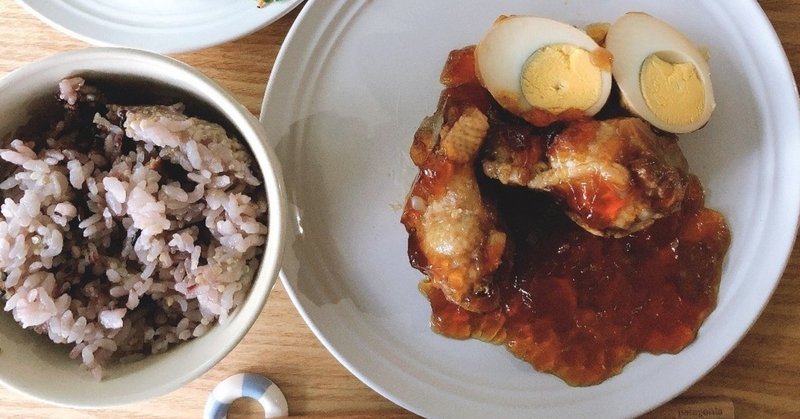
[(502, 53), (631, 40)]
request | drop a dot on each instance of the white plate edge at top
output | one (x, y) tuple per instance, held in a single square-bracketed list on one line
[(243, 18)]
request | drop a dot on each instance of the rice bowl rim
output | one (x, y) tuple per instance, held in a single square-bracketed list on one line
[(118, 61)]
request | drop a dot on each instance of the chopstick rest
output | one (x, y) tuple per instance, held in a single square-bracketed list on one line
[(255, 386)]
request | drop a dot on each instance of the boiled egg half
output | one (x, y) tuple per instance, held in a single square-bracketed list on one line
[(662, 76), (533, 65)]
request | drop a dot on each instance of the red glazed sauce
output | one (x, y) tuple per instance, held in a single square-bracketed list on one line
[(581, 306)]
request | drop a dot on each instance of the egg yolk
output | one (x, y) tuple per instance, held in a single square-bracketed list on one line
[(673, 91), (560, 77)]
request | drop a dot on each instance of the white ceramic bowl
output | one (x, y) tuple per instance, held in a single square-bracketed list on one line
[(33, 365)]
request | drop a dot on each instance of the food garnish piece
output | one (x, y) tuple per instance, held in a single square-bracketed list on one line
[(662, 76), (454, 237), (613, 177), (543, 70), (598, 31)]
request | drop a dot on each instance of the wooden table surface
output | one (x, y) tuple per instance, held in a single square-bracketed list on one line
[(761, 376)]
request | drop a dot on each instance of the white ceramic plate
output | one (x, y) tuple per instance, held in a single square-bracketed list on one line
[(350, 87), (163, 26)]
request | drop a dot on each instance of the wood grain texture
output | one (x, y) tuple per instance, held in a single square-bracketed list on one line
[(761, 376)]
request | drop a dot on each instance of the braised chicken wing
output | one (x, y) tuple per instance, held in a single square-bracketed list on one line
[(613, 177), (454, 237)]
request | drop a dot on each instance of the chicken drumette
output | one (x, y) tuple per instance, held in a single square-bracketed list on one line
[(614, 177), (454, 238)]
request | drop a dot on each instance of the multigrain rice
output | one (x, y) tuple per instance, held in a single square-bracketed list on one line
[(125, 229)]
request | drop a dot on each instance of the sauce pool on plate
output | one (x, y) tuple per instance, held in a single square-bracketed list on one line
[(582, 306), (572, 303)]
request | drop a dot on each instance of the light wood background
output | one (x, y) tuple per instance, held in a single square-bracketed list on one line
[(761, 377)]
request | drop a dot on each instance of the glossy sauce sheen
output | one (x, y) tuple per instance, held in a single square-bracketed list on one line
[(581, 306)]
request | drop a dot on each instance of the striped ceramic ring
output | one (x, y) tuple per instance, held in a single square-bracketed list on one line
[(250, 385)]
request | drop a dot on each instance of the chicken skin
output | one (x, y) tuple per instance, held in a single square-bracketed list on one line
[(614, 177)]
